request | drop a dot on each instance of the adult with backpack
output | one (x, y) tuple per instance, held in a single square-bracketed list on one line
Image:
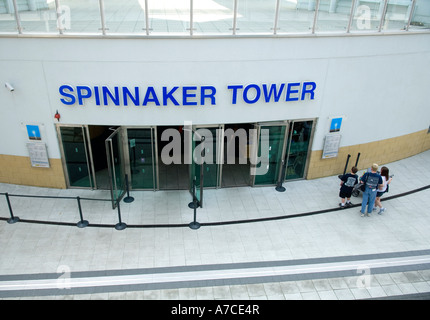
[(372, 181)]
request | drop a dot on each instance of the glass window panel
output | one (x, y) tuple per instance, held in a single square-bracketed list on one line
[(256, 16), (213, 17), (169, 16), (210, 166), (81, 16), (397, 15), (275, 140), (126, 16), (333, 15), (205, 155), (76, 156), (116, 165), (367, 15), (38, 16), (7, 17), (296, 16), (421, 15), (195, 171), (141, 155), (299, 138)]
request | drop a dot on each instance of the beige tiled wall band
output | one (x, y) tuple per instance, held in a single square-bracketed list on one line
[(18, 169), (380, 152)]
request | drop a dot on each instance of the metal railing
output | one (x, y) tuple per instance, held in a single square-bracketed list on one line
[(82, 223), (64, 16)]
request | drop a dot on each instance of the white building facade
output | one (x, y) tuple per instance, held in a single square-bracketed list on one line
[(86, 102)]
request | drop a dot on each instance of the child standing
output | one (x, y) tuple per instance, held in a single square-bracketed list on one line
[(348, 181), (386, 180)]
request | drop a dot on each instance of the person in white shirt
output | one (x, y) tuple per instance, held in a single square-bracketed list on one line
[(386, 180)]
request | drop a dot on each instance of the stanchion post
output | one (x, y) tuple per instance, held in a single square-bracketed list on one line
[(279, 187), (346, 164), (194, 204), (194, 224), (120, 225), (127, 199), (83, 223), (12, 219), (358, 158)]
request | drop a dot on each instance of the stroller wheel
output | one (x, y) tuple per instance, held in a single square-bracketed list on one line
[(355, 193)]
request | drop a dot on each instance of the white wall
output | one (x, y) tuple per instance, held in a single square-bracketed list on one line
[(378, 84)]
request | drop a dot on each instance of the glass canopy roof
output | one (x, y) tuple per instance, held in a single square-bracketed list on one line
[(173, 18)]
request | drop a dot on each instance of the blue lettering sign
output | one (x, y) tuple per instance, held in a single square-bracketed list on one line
[(210, 95), (169, 96), (113, 96), (70, 98), (272, 91), (187, 96), (311, 91), (257, 93), (83, 92), (234, 88), (126, 93), (150, 96), (291, 91)]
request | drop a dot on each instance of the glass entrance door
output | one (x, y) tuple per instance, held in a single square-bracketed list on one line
[(205, 166), (76, 154), (142, 158), (271, 150), (299, 138), (115, 160)]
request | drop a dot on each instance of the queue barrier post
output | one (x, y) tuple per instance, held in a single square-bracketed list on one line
[(82, 223), (279, 187), (127, 199), (12, 218), (358, 158), (346, 164), (120, 225), (194, 224)]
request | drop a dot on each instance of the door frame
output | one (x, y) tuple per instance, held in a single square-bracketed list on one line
[(154, 150), (308, 152), (254, 155), (219, 150), (88, 154), (111, 164)]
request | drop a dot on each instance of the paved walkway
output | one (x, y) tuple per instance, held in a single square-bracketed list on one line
[(308, 249)]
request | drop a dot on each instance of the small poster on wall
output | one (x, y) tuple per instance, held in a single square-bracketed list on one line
[(38, 154), (331, 146)]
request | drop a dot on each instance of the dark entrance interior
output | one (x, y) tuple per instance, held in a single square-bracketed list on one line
[(98, 135), (173, 176), (237, 173)]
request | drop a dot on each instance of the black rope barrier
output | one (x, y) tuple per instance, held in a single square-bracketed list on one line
[(219, 223)]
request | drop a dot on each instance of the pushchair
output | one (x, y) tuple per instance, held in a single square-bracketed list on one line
[(357, 189)]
